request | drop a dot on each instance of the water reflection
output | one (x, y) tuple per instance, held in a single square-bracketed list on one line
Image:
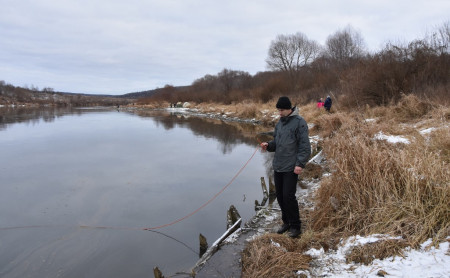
[(33, 115), (229, 134)]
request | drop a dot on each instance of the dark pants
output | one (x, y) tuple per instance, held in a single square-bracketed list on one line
[(286, 186)]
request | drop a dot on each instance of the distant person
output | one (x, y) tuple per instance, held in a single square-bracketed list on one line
[(328, 103), (292, 150), (320, 103)]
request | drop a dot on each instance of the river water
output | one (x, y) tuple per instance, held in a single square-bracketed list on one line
[(78, 187)]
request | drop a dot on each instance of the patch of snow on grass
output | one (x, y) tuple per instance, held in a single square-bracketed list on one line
[(427, 261), (427, 131), (391, 138)]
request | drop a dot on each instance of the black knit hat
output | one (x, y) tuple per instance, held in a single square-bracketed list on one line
[(284, 103)]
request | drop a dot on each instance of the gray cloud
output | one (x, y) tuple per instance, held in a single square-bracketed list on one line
[(116, 47)]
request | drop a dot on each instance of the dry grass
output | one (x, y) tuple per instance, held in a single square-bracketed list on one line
[(375, 186), (312, 171), (274, 255), (244, 110), (380, 187), (365, 254)]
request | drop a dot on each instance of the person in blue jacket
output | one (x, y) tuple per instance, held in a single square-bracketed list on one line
[(328, 103), (292, 151)]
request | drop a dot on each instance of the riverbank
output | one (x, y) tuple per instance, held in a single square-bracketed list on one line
[(227, 262), (381, 147)]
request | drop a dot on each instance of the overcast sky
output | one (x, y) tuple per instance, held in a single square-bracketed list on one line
[(123, 46)]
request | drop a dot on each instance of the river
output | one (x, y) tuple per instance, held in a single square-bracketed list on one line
[(79, 187)]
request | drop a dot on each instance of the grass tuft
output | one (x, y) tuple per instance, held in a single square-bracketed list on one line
[(365, 254)]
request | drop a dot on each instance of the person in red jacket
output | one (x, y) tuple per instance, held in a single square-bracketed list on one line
[(320, 103)]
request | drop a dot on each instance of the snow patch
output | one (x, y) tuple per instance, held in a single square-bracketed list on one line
[(427, 261), (233, 237), (427, 131), (391, 138)]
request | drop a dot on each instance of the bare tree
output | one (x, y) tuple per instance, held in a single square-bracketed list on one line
[(233, 80), (345, 45), (48, 90), (289, 53), (439, 40)]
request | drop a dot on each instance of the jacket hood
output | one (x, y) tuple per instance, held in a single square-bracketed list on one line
[(286, 119), (295, 112)]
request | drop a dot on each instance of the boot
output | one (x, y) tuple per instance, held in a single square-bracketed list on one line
[(283, 229), (294, 232)]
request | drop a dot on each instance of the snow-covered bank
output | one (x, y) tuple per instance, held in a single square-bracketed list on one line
[(427, 261)]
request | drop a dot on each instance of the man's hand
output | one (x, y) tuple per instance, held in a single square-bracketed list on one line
[(264, 146), (298, 170)]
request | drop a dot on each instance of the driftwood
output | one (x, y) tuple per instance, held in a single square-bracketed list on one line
[(234, 221), (215, 245)]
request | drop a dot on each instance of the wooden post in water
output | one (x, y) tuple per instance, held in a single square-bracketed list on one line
[(264, 201), (232, 216), (264, 187), (203, 245), (157, 273), (271, 188)]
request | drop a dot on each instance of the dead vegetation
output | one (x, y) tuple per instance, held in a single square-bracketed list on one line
[(365, 254), (375, 186), (273, 255)]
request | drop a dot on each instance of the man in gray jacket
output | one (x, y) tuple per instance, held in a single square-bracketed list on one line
[(292, 150)]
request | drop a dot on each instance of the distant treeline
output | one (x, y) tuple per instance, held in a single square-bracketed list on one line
[(12, 95), (342, 67)]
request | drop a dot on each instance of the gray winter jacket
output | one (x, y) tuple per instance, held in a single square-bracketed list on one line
[(290, 144)]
